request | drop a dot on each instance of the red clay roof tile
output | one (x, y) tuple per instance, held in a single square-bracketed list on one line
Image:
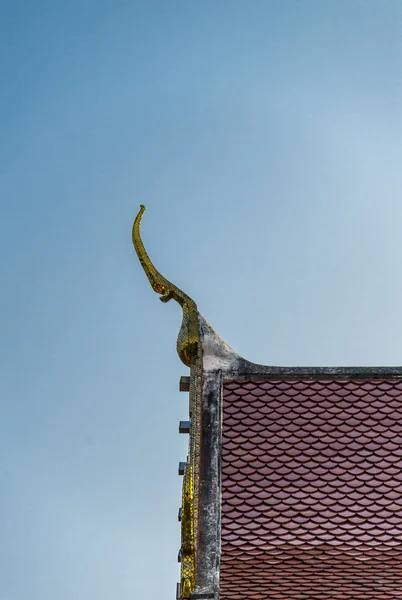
[(312, 490)]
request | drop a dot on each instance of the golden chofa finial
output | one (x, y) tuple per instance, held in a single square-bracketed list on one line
[(188, 338)]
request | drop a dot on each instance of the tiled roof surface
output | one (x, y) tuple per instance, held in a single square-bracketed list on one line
[(312, 490)]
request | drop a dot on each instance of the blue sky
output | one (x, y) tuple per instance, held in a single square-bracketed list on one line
[(265, 140)]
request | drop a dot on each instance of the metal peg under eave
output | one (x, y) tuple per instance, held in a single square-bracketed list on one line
[(184, 427), (184, 383)]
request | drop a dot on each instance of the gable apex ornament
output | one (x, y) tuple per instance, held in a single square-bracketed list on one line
[(189, 338)]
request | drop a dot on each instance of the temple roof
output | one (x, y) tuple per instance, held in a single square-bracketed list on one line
[(292, 486)]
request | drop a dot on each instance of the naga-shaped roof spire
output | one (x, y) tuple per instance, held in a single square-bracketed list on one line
[(188, 338)]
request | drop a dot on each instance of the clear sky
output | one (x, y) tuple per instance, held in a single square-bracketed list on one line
[(264, 138)]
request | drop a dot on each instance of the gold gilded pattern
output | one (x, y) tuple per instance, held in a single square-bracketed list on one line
[(187, 581), (195, 431), (188, 338), (189, 521)]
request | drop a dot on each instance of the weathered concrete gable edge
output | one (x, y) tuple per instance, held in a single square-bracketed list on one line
[(209, 540), (219, 357)]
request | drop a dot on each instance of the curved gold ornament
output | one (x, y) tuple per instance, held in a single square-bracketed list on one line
[(188, 338)]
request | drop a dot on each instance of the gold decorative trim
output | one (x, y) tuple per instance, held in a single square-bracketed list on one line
[(188, 339), (190, 352), (187, 577)]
